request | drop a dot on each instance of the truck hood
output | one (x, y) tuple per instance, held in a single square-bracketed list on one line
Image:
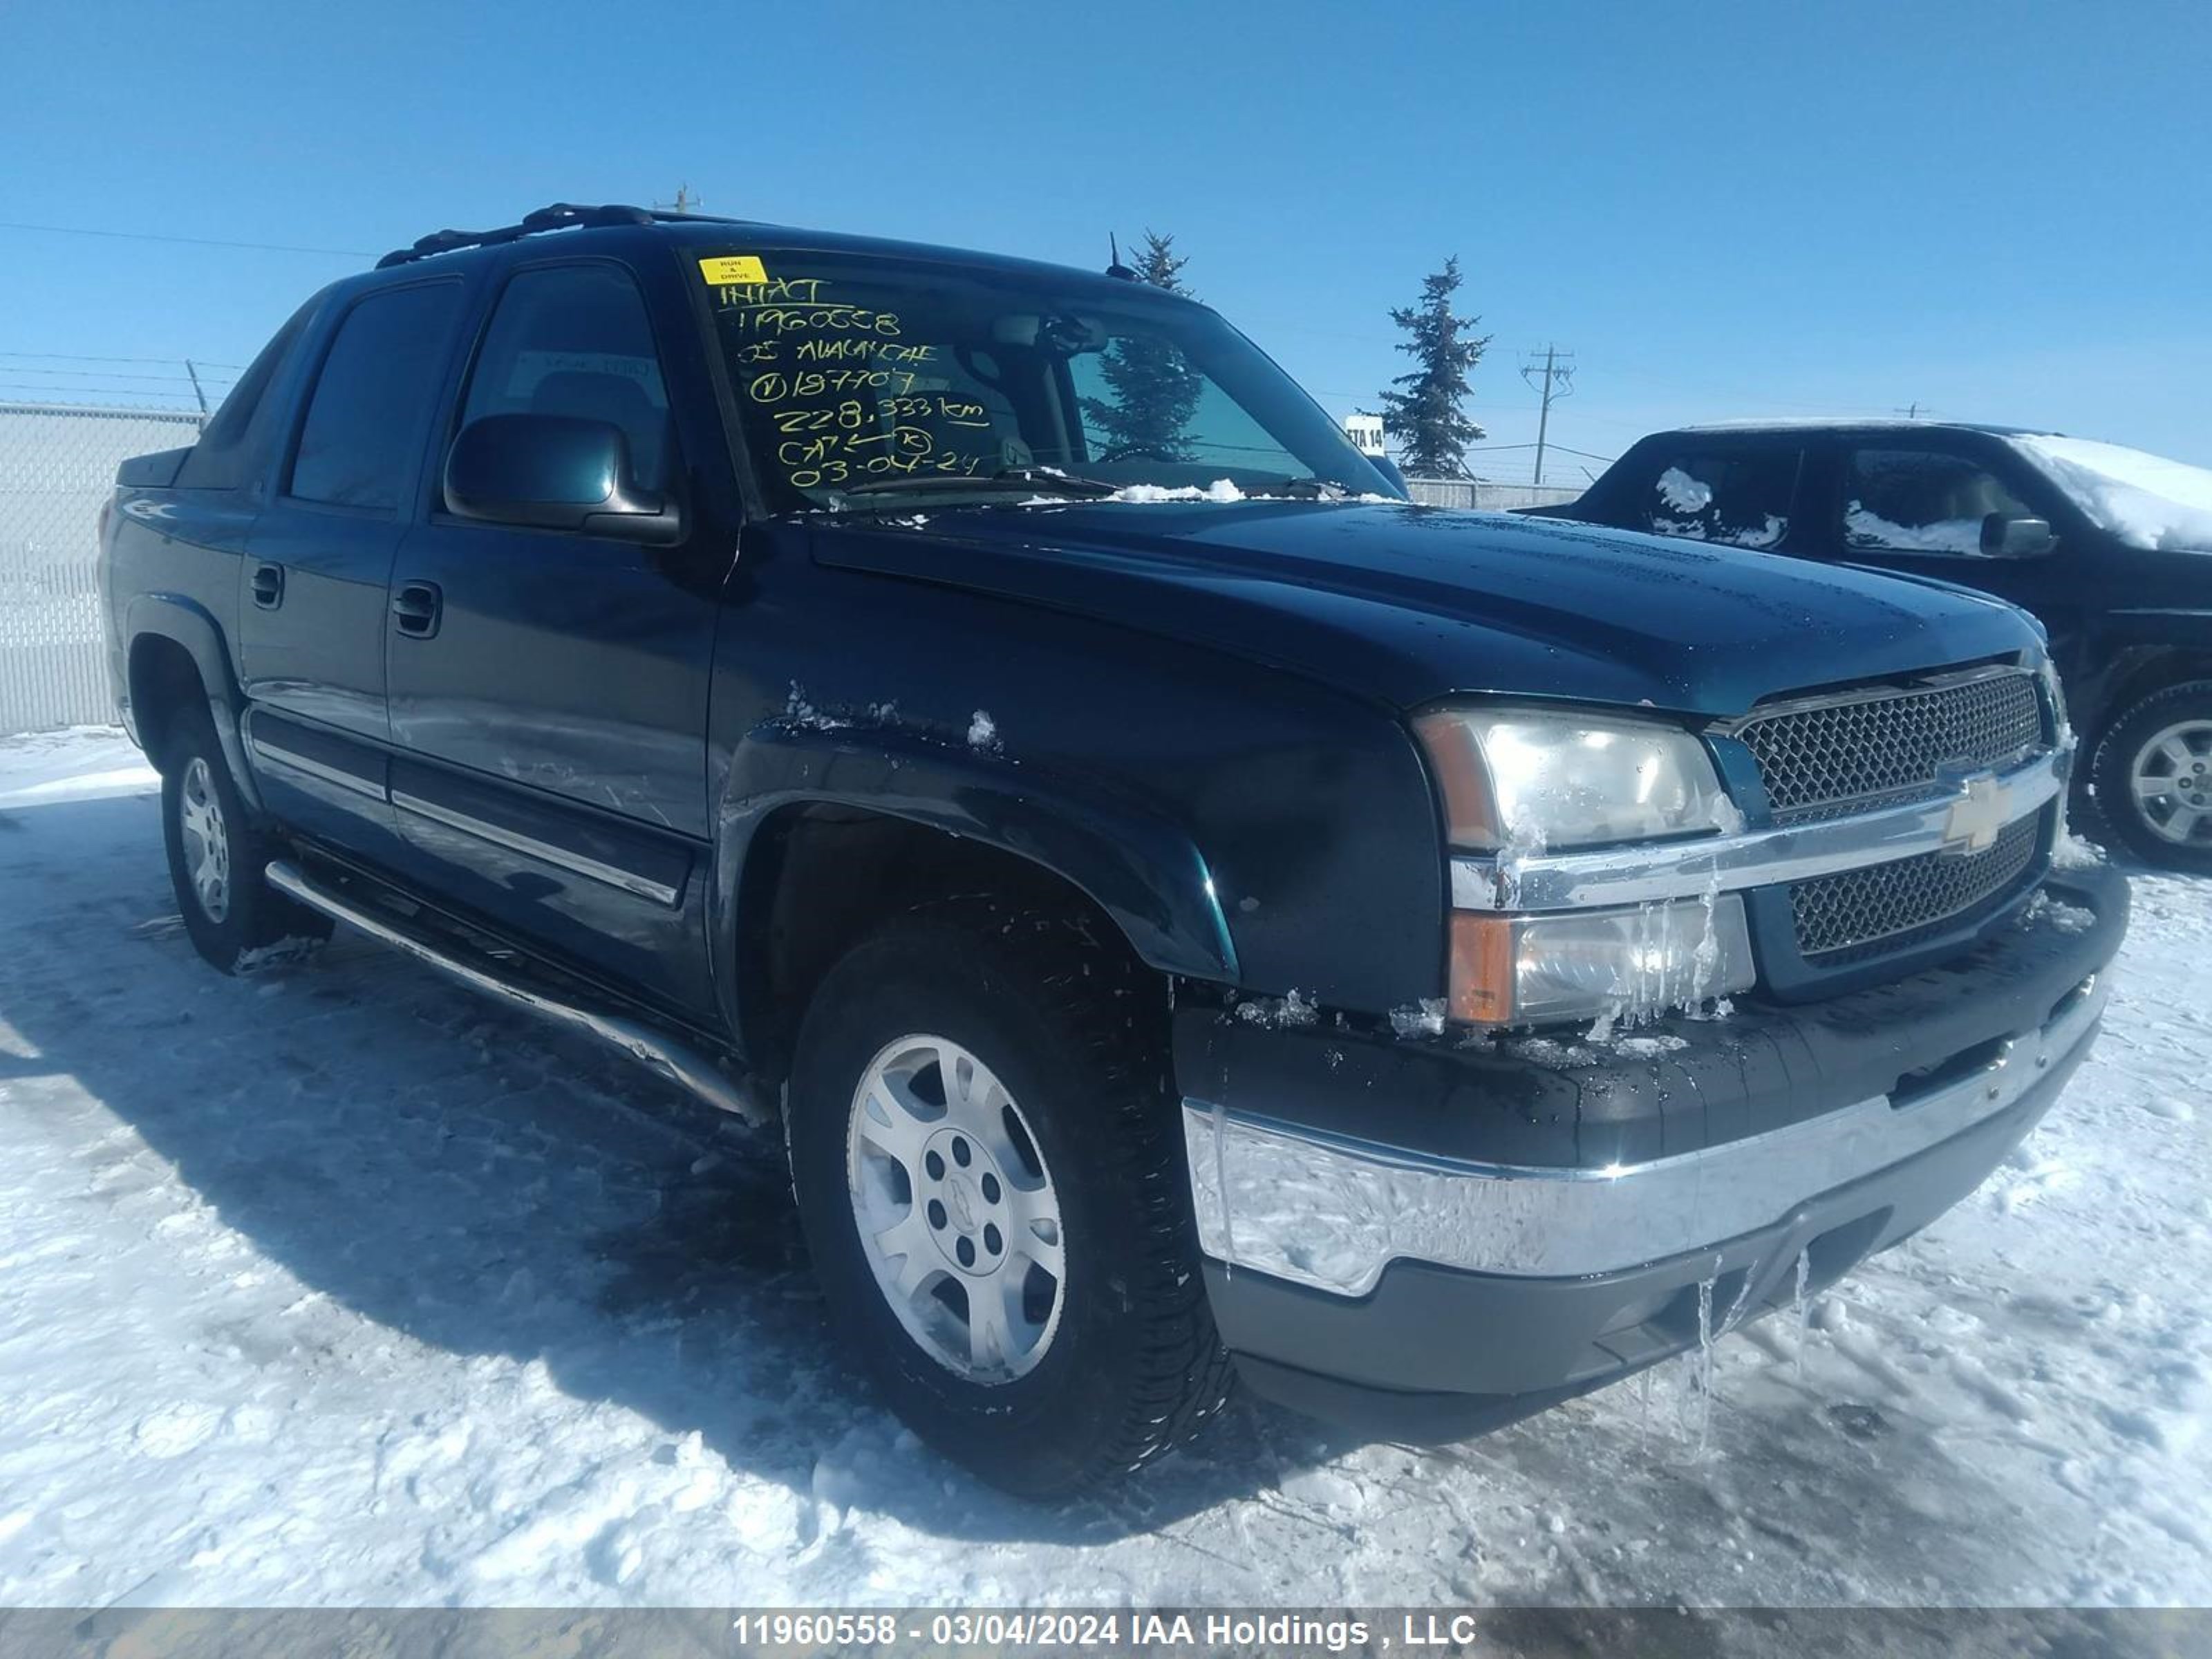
[(1407, 604)]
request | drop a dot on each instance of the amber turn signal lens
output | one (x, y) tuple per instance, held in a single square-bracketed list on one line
[(1481, 969)]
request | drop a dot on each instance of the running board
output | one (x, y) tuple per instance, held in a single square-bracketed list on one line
[(656, 1050)]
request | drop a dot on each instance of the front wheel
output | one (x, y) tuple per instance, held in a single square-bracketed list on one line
[(216, 855), (2152, 774), (990, 1178)]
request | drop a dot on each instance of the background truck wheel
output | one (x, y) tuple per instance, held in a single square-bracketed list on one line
[(989, 1172), (2152, 771), (217, 856)]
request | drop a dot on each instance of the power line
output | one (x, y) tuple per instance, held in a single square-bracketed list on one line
[(1558, 381), (65, 397), (124, 374), (86, 357), (187, 241)]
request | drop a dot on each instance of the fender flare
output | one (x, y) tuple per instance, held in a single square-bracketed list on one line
[(2125, 644), (1146, 874), (184, 621)]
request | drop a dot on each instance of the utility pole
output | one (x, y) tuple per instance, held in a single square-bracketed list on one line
[(198, 392), (1912, 411), (1558, 372), (685, 202)]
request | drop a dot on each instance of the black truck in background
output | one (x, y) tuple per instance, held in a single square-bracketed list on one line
[(1196, 914), (2109, 548)]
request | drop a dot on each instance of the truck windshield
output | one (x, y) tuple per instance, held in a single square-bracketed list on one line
[(855, 375), (2145, 500)]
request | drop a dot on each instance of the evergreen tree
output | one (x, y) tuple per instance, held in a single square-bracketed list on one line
[(1155, 392), (1425, 416)]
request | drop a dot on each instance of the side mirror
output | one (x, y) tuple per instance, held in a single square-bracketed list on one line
[(2016, 538), (555, 473)]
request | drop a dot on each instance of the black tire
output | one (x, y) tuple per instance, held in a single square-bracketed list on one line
[(1076, 1034), (252, 919), (2127, 820)]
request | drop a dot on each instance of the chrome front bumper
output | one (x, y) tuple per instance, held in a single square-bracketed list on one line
[(1331, 1213)]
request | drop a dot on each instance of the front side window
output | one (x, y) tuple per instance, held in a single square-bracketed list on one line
[(1919, 501), (574, 340), (369, 416), (1741, 497), (861, 380)]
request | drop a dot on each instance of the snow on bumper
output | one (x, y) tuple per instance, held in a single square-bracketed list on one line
[(1333, 1213), (1424, 1241)]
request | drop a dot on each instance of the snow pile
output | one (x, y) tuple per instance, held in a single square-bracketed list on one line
[(2045, 911), (1865, 528), (1219, 491), (1419, 1019), (1766, 536), (78, 763), (801, 715), (1292, 1010), (1684, 493), (1691, 514), (2146, 500), (2070, 851), (1599, 1044), (336, 1287), (983, 733)]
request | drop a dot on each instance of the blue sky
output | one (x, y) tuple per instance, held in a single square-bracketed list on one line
[(1999, 211)]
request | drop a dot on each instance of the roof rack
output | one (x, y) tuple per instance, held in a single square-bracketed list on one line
[(560, 215)]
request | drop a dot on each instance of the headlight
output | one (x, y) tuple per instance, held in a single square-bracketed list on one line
[(1525, 780), (1547, 780), (1527, 971)]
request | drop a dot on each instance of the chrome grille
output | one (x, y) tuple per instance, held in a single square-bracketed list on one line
[(1885, 904), (1823, 759)]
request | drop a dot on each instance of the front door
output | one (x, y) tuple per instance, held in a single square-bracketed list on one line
[(549, 689), (1918, 506)]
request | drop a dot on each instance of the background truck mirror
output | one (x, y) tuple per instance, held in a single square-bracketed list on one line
[(2016, 538)]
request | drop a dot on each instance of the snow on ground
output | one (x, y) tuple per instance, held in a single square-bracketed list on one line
[(336, 1285)]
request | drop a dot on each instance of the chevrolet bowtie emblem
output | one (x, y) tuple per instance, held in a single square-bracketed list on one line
[(1981, 810)]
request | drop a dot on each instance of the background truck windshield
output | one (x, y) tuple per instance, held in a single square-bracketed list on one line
[(866, 372), (2145, 500)]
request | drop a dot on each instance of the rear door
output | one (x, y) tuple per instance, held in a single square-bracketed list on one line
[(1730, 491), (311, 605), (548, 688)]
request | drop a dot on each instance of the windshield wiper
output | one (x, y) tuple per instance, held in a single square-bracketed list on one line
[(1303, 489), (1037, 481)]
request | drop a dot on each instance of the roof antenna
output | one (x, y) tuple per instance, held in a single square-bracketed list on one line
[(1116, 268)]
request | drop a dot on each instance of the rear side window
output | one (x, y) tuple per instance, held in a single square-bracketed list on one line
[(224, 458), (1918, 501), (1739, 497), (574, 340), (370, 410)]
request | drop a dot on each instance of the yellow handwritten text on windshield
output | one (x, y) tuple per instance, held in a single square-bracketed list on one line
[(846, 397)]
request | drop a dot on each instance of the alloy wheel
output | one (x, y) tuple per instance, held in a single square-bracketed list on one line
[(207, 842), (2171, 778), (956, 1214)]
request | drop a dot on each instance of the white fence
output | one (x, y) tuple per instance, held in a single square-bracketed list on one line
[(1489, 498), (56, 465)]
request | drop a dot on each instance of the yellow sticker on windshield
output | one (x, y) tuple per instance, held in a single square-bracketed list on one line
[(733, 269)]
